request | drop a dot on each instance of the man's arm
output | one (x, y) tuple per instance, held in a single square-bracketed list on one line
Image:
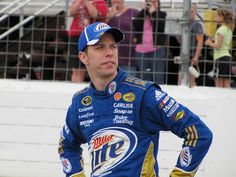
[(164, 111), (70, 150)]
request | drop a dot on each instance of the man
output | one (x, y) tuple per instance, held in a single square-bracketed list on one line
[(120, 118)]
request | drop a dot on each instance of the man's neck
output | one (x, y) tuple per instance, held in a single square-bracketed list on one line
[(101, 83)]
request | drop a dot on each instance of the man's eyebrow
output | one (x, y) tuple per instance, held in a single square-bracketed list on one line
[(105, 44), (98, 44)]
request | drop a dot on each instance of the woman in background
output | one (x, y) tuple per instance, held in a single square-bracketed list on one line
[(83, 12), (149, 27), (120, 16), (221, 45)]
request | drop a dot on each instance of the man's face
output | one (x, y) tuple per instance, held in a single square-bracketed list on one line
[(101, 59)]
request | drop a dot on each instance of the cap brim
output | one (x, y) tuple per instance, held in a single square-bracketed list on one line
[(118, 34), (92, 42)]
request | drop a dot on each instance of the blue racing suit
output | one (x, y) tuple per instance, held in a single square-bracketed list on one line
[(121, 126)]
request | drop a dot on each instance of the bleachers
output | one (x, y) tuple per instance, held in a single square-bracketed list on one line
[(23, 52)]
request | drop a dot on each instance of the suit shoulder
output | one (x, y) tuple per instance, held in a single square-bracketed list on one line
[(136, 82), (81, 92)]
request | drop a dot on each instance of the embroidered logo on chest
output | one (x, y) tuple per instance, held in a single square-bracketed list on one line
[(109, 147)]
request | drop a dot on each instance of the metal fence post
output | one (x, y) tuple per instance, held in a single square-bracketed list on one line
[(185, 47)]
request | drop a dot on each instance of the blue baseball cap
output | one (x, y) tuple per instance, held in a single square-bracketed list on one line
[(93, 33)]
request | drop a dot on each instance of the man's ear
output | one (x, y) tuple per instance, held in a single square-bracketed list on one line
[(83, 57)]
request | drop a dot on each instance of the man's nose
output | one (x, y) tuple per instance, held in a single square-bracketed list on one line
[(109, 50)]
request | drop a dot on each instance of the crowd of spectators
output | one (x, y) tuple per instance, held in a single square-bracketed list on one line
[(145, 52)]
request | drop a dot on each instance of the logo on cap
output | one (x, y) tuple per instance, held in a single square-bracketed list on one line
[(101, 26)]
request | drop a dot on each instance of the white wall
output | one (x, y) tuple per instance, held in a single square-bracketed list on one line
[(32, 113)]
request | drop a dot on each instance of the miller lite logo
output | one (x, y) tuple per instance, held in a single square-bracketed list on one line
[(66, 165), (100, 27), (109, 147), (99, 141), (185, 157)]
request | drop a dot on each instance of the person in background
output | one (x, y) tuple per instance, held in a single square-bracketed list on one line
[(149, 26), (83, 12), (121, 116), (196, 45), (221, 45), (120, 16)]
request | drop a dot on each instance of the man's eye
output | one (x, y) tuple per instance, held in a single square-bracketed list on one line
[(114, 46), (99, 47)]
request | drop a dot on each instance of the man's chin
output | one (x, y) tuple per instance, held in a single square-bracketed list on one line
[(110, 67), (110, 70)]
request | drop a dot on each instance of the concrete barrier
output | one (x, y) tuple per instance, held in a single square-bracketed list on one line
[(32, 114)]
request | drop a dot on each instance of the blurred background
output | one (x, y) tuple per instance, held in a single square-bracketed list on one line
[(36, 87)]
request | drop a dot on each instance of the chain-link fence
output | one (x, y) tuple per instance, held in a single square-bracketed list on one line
[(39, 48)]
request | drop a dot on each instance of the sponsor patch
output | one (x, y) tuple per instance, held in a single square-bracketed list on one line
[(87, 100), (123, 111), (135, 81), (112, 87), (66, 165), (185, 157), (173, 109), (129, 97), (158, 95), (109, 147), (117, 96), (140, 82), (123, 105), (170, 104), (85, 109), (164, 101), (86, 123), (100, 26), (87, 115), (179, 115), (122, 120)]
